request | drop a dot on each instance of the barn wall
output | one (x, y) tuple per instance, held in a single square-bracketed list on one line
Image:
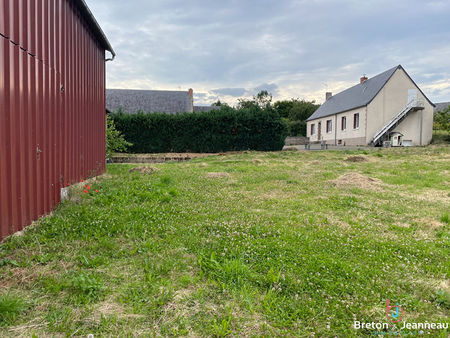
[(52, 107)]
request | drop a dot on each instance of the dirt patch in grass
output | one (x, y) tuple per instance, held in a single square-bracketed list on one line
[(428, 195), (23, 276), (433, 195), (183, 305), (430, 223), (257, 161), (403, 225), (445, 285), (144, 170), (356, 159), (111, 308), (217, 175), (354, 179)]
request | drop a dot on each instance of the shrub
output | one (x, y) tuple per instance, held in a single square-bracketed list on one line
[(114, 140), (226, 129)]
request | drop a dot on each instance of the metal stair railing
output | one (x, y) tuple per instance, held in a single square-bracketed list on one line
[(412, 105)]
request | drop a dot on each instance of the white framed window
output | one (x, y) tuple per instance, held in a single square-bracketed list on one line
[(356, 121), (329, 126), (313, 129), (343, 123)]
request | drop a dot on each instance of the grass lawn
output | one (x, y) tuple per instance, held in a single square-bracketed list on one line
[(252, 244)]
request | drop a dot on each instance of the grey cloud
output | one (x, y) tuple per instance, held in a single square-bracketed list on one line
[(235, 92), (233, 45), (272, 88)]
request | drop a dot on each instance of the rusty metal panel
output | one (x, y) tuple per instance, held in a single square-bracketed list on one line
[(52, 106)]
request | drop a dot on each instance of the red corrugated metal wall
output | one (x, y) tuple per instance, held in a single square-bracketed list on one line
[(52, 107)]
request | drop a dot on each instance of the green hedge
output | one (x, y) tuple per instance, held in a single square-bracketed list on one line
[(220, 130)]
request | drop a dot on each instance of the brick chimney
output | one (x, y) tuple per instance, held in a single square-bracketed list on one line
[(191, 96), (328, 95), (363, 79)]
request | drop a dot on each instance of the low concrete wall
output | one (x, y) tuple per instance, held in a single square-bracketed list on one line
[(357, 141), (132, 159), (295, 141)]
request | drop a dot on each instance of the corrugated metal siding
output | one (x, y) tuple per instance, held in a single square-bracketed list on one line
[(52, 107)]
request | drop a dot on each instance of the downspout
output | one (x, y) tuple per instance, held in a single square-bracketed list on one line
[(421, 126), (335, 130)]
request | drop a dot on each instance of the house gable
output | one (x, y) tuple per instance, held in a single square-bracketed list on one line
[(391, 100), (359, 95)]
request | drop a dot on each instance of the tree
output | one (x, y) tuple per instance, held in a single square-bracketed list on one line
[(296, 112), (261, 100), (442, 119), (284, 107), (301, 110), (219, 104)]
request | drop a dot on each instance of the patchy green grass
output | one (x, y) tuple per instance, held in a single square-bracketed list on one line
[(251, 244)]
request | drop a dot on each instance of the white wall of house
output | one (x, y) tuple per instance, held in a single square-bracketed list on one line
[(349, 136), (390, 101)]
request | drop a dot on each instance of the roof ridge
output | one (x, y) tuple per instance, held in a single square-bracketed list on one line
[(355, 96)]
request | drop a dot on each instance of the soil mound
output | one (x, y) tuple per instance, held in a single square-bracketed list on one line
[(356, 159), (357, 180)]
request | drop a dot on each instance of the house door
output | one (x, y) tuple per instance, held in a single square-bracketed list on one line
[(319, 131), (396, 140)]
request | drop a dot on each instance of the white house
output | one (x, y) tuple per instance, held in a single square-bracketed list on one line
[(386, 107)]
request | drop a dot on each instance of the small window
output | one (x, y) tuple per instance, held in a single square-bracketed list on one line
[(344, 123), (356, 121), (329, 126), (313, 129), (339, 142)]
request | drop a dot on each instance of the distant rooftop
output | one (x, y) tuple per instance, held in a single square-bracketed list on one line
[(149, 101), (441, 106)]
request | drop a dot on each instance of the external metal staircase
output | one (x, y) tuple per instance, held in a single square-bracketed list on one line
[(413, 105)]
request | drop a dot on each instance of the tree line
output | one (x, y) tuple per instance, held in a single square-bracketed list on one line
[(294, 111)]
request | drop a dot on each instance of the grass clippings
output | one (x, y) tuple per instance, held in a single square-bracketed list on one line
[(217, 175), (143, 170)]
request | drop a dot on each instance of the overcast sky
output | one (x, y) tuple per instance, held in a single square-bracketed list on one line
[(293, 48)]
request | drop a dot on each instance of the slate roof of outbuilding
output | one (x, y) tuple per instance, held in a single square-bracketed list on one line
[(148, 101), (357, 96)]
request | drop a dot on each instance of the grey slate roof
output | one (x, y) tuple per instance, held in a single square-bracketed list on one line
[(357, 96), (441, 106), (199, 109), (148, 101)]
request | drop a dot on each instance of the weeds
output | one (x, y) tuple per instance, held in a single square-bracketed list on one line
[(11, 307)]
